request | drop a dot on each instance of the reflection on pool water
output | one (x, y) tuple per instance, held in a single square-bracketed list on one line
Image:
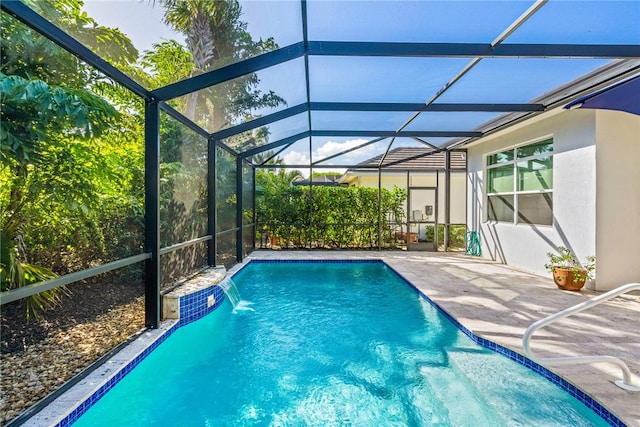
[(330, 344)]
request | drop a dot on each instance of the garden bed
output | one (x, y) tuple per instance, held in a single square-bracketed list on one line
[(40, 355)]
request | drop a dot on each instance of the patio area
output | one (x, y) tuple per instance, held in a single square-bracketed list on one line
[(143, 145), (498, 303)]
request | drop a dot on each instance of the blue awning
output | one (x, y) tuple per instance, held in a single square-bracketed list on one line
[(622, 96)]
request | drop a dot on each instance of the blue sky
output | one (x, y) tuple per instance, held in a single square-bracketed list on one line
[(377, 79), (568, 21), (138, 19)]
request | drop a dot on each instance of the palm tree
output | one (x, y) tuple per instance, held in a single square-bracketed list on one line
[(215, 37), (193, 19), (288, 176), (267, 157)]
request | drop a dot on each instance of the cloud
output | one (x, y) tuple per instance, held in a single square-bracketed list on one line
[(331, 147), (295, 158)]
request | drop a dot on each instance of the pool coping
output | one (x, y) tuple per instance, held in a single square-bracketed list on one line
[(591, 403), (74, 402)]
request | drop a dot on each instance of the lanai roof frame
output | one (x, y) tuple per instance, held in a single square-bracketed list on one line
[(627, 63), (305, 48)]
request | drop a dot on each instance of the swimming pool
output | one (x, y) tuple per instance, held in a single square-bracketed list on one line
[(330, 344)]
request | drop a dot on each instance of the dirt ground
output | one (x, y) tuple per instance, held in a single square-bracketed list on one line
[(39, 355)]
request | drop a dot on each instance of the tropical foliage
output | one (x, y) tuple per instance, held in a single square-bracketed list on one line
[(72, 149), (55, 130), (72, 153), (331, 217)]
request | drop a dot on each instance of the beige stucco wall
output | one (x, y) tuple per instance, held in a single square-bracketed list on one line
[(617, 198), (458, 198), (389, 180), (426, 179)]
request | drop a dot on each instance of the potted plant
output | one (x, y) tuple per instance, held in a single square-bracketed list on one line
[(568, 273)]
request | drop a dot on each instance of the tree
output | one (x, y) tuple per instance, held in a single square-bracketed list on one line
[(215, 37), (267, 157), (330, 173), (167, 62), (26, 53), (274, 194), (50, 97), (33, 115), (53, 115)]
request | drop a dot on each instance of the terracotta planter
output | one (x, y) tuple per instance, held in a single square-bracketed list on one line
[(400, 235), (275, 241), (564, 279)]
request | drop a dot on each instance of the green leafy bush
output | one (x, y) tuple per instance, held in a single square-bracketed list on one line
[(326, 217)]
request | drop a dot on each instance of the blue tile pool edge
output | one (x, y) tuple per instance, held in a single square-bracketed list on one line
[(115, 378), (574, 391), (192, 307), (192, 314)]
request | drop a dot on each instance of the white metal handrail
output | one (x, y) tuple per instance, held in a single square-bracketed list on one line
[(626, 382)]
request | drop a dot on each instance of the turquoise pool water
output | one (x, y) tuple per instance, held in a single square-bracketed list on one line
[(330, 344)]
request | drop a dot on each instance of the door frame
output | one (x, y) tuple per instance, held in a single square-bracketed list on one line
[(423, 246)]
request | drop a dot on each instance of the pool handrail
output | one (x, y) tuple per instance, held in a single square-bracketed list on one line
[(626, 382)]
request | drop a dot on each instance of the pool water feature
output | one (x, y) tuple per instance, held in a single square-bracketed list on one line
[(331, 344), (233, 294)]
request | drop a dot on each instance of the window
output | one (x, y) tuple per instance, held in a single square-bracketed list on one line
[(520, 184)]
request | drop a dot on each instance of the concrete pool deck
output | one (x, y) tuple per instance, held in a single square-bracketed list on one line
[(497, 302)]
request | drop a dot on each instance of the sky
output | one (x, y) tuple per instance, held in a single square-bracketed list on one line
[(138, 19), (401, 79)]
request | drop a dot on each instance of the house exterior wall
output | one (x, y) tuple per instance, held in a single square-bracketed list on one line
[(423, 179), (618, 199), (370, 179), (574, 185), (458, 197)]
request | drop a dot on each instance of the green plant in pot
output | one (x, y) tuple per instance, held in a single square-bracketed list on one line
[(568, 272)]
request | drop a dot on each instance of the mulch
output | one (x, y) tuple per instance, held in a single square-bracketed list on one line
[(39, 355)]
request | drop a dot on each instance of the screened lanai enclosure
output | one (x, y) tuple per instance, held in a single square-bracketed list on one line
[(144, 141)]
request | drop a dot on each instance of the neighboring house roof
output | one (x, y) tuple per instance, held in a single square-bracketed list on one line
[(414, 158), (326, 180)]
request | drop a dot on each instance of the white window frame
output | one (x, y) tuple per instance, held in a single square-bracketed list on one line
[(515, 192)]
